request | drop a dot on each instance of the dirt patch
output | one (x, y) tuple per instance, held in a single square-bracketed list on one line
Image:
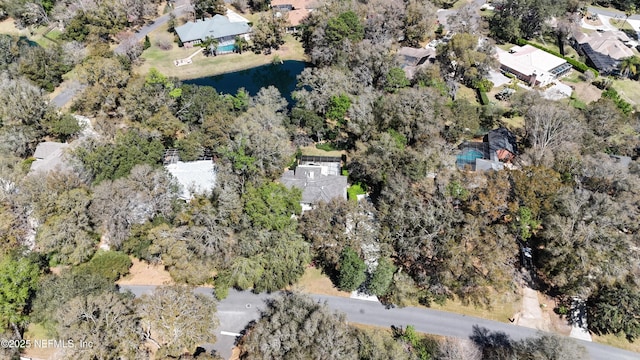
[(559, 323), (586, 92), (142, 273), (8, 26), (595, 22)]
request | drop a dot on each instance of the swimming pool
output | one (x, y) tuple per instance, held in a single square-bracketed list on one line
[(225, 48), (468, 157)]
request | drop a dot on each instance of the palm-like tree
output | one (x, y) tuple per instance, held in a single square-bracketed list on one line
[(210, 46), (630, 11), (240, 44), (629, 66)]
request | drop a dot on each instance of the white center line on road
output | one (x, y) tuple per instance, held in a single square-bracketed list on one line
[(229, 333)]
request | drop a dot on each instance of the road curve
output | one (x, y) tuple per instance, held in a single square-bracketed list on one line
[(240, 307)]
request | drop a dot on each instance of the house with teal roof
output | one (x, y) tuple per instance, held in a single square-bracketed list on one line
[(218, 27)]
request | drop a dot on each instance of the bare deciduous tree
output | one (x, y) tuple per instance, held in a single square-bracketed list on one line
[(176, 320), (548, 126), (459, 349)]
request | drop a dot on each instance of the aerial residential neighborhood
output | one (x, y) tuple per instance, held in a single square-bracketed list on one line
[(319, 179)]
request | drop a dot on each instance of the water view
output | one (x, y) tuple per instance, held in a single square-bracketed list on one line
[(281, 75)]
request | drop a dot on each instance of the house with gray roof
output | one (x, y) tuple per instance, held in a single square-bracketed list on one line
[(317, 183), (218, 27), (51, 156), (604, 49)]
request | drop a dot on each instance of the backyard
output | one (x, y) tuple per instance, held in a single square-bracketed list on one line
[(203, 66)]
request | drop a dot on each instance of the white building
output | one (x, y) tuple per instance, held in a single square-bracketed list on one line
[(532, 65)]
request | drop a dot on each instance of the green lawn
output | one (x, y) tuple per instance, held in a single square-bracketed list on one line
[(202, 66), (618, 341), (628, 89), (621, 24), (468, 94)]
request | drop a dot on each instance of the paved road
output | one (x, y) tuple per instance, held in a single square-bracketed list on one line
[(72, 88), (612, 13), (239, 308)]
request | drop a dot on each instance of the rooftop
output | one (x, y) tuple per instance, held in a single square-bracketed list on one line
[(194, 177), (316, 183), (50, 156), (216, 27), (604, 49), (530, 58)]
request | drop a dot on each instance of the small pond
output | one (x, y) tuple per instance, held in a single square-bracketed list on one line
[(282, 76)]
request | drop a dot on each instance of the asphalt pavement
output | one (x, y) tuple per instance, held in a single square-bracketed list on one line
[(241, 307), (612, 13)]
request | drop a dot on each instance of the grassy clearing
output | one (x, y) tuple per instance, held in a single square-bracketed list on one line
[(516, 122), (551, 44), (203, 66), (313, 151), (38, 332), (467, 93), (315, 282), (629, 90), (617, 341), (621, 24), (500, 311)]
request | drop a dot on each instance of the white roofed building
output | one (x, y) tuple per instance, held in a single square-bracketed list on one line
[(532, 65), (194, 177)]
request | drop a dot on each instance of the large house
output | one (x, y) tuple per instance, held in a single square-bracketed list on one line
[(413, 58), (219, 27), (498, 147), (604, 49), (294, 10), (532, 65), (319, 178)]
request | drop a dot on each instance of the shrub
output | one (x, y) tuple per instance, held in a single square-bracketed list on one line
[(147, 43), (355, 190), (164, 44), (111, 265), (484, 99), (624, 106), (327, 146)]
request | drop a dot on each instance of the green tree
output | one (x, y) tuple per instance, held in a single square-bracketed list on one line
[(396, 79), (615, 309), (111, 265), (18, 282), (62, 126), (113, 161), (351, 273), (240, 44), (268, 33), (338, 107), (629, 66), (55, 291), (147, 43), (271, 205), (345, 26), (382, 277)]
